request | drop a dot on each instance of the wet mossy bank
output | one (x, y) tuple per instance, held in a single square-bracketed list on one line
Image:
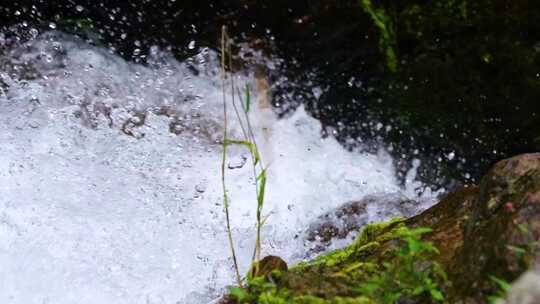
[(484, 234)]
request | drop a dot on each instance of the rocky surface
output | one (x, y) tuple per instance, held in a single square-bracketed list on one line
[(482, 232), (347, 220), (502, 234)]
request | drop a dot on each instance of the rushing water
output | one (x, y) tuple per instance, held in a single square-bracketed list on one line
[(110, 177)]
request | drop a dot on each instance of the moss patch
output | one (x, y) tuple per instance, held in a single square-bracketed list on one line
[(383, 256)]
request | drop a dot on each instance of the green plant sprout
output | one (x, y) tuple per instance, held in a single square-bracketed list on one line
[(249, 142), (410, 273), (503, 287)]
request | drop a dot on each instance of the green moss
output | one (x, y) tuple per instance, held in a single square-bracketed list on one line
[(339, 276), (336, 300), (309, 299), (380, 266), (387, 39), (367, 242)]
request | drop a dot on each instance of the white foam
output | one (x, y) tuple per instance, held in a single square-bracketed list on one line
[(89, 214)]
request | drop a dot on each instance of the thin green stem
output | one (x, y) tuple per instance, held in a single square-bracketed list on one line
[(224, 157), (260, 200)]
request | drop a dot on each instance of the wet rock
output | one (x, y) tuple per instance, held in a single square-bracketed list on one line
[(265, 266), (490, 230), (502, 235), (130, 125), (448, 219), (350, 217)]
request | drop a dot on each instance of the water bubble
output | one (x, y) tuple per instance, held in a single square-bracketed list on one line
[(52, 25), (57, 46), (34, 32), (201, 188), (34, 124), (79, 8), (191, 45)]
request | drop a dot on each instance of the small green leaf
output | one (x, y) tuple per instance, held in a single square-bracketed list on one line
[(420, 231), (522, 227), (415, 245), (252, 149), (369, 287), (516, 249), (436, 294), (239, 293), (418, 290), (493, 299), (504, 285), (262, 187)]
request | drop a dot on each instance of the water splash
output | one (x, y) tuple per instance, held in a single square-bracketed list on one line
[(109, 177)]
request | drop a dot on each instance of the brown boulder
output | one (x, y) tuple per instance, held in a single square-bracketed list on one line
[(501, 236)]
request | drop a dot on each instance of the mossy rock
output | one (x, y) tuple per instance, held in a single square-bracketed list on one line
[(501, 238), (485, 231)]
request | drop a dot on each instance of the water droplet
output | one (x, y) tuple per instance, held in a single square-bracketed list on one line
[(79, 8), (191, 45), (52, 25), (201, 188), (34, 32)]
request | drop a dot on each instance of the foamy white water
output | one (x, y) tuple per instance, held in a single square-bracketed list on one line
[(101, 203)]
